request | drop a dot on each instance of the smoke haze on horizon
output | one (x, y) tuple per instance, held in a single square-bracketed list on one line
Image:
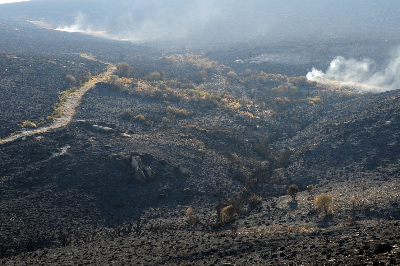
[(11, 1), (235, 20), (204, 22)]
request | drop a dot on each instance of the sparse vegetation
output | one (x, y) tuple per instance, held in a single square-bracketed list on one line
[(292, 191), (228, 213), (350, 221), (139, 118), (70, 80), (190, 217), (127, 115), (245, 133), (324, 203), (28, 124), (353, 202), (123, 70), (173, 111)]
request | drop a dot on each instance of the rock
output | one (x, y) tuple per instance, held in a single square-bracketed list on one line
[(382, 248), (136, 162), (139, 175), (184, 170), (149, 172), (103, 129), (161, 196)]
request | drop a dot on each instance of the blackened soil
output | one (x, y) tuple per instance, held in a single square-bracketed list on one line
[(30, 86), (69, 196)]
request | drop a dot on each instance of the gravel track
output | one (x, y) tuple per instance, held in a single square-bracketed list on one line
[(68, 110)]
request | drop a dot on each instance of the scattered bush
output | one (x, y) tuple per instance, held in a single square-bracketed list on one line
[(228, 213), (113, 79), (254, 201), (353, 202), (292, 191), (139, 118), (350, 221), (310, 187), (324, 203), (28, 124), (70, 80), (177, 112), (123, 70), (155, 76), (314, 100), (127, 115), (190, 216)]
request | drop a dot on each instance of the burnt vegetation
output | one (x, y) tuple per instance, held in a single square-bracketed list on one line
[(191, 157)]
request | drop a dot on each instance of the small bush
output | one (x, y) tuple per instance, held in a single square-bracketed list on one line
[(350, 221), (113, 79), (254, 201), (324, 202), (28, 124), (123, 70), (228, 213), (353, 202), (177, 112), (310, 187), (127, 115), (155, 76), (139, 118), (190, 216), (70, 80), (292, 191)]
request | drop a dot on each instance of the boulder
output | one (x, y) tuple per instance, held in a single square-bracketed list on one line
[(382, 248), (149, 172), (103, 129), (184, 170), (139, 175), (136, 162)]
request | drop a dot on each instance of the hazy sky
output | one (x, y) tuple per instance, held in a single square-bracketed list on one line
[(213, 20), (221, 20), (11, 1)]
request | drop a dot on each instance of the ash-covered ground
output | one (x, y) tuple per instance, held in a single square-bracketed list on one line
[(215, 132)]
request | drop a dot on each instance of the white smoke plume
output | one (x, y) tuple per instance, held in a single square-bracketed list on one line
[(215, 22), (363, 71), (81, 25)]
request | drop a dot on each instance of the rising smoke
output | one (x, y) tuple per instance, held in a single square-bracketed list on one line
[(231, 20), (363, 71)]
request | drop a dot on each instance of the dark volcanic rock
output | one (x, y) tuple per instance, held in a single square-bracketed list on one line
[(382, 248)]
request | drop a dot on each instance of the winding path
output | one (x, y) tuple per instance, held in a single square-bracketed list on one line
[(68, 109)]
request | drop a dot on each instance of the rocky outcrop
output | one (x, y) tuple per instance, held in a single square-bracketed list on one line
[(103, 129), (142, 173)]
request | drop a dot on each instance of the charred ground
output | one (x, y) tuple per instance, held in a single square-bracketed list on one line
[(216, 133)]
